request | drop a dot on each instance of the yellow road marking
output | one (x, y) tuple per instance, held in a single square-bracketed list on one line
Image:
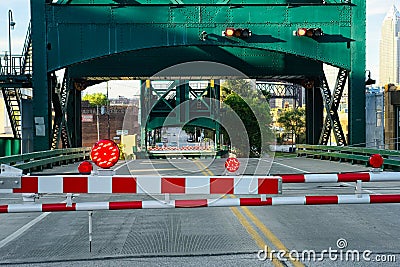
[(242, 219), (268, 234), (253, 233), (257, 238)]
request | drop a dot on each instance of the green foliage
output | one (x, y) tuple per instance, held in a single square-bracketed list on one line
[(253, 110), (293, 121), (96, 99), (188, 128)]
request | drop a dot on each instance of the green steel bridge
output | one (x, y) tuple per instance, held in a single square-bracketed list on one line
[(182, 41)]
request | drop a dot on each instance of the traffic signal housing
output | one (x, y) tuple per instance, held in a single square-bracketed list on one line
[(309, 32), (237, 32)]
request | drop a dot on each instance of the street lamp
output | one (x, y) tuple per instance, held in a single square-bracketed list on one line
[(11, 24), (369, 81)]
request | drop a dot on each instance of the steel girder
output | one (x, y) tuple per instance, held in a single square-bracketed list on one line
[(331, 104), (60, 105), (180, 98), (110, 37), (282, 90)]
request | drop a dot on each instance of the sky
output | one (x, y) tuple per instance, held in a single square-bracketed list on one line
[(376, 11)]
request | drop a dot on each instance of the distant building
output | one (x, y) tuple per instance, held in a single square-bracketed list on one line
[(123, 114), (389, 53), (374, 111)]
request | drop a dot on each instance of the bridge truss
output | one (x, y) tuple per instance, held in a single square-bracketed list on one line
[(138, 39)]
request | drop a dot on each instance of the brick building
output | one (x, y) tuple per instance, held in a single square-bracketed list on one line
[(123, 115)]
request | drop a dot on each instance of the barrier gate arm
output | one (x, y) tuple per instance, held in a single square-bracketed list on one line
[(12, 181), (201, 203), (373, 176)]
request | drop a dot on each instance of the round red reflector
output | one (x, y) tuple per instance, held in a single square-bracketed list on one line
[(85, 167), (232, 164), (105, 153), (376, 161)]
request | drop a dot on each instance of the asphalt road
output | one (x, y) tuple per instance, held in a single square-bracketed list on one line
[(209, 236)]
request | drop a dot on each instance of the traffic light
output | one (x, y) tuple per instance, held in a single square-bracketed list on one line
[(238, 32), (309, 32)]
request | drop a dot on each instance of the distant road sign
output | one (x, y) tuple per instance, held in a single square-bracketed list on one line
[(87, 117), (122, 132)]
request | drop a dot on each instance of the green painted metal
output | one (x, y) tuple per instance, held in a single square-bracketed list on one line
[(9, 146), (352, 154), (41, 100), (179, 104), (357, 77), (49, 158), (78, 33), (100, 39)]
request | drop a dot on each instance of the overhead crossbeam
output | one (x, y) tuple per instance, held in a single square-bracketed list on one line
[(331, 104), (273, 90)]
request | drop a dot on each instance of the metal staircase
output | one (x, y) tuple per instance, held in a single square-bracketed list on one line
[(26, 66), (13, 77), (13, 104)]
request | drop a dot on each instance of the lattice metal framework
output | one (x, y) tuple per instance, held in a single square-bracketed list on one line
[(331, 103), (282, 90)]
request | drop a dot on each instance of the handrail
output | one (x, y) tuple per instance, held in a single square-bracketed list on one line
[(25, 51), (351, 154), (42, 159)]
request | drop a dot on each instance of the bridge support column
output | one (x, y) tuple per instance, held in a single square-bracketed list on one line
[(217, 96), (357, 77), (74, 123), (314, 113), (144, 102), (41, 101)]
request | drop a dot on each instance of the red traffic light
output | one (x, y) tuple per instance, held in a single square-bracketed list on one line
[(309, 32), (105, 153), (239, 32), (85, 167), (376, 161), (229, 31), (301, 32)]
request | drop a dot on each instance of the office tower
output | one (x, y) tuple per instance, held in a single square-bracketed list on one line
[(389, 48)]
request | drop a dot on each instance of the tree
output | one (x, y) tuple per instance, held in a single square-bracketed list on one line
[(253, 110), (293, 121), (96, 99)]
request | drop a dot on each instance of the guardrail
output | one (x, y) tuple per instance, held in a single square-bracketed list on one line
[(354, 155), (46, 159)]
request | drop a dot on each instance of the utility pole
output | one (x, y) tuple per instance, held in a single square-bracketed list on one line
[(97, 122), (11, 25), (108, 115)]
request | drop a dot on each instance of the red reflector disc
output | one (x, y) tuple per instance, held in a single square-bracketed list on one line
[(105, 153), (376, 161), (85, 167), (232, 164)]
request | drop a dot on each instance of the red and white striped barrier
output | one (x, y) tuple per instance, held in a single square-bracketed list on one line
[(199, 203), (148, 185), (342, 177)]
